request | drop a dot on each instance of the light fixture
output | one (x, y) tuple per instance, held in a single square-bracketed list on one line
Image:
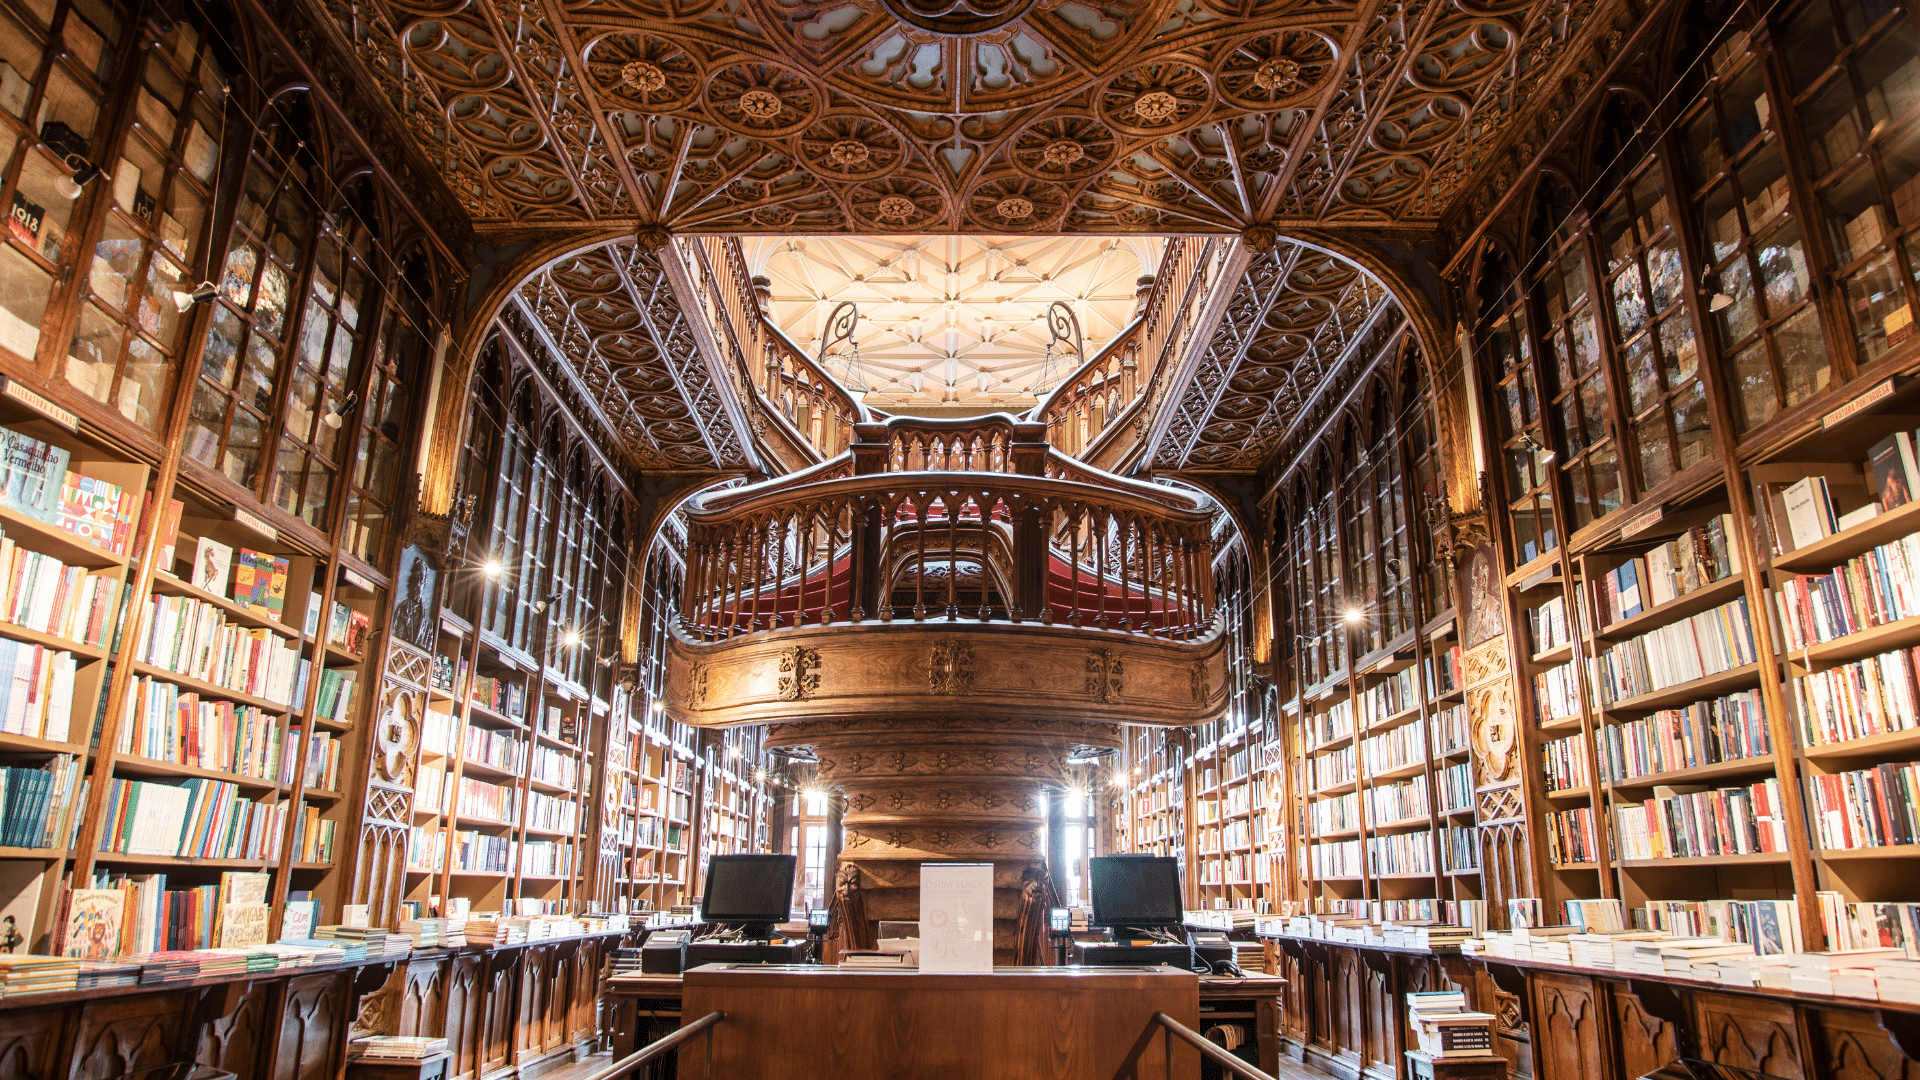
[(1719, 302), (1119, 778), (188, 300), (334, 415), (1355, 616), (492, 568), (1533, 446), (572, 639), (659, 706), (734, 750), (84, 172)]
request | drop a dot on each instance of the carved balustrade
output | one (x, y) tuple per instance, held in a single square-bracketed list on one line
[(767, 364), (951, 520), (1115, 384)]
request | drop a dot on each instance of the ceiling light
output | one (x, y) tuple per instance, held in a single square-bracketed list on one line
[(332, 419), (1720, 302), (201, 293), (492, 568), (659, 707), (572, 639), (1355, 616)]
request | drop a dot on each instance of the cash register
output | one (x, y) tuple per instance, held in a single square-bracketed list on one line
[(746, 896), (1136, 900)]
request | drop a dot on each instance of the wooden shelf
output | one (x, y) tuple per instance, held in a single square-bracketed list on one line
[(36, 535), (1889, 851), (1399, 773), (1736, 767), (1710, 595), (1690, 691), (134, 765), (1836, 549), (1555, 656), (207, 689), (1674, 861), (30, 745), (1869, 642), (1884, 744)]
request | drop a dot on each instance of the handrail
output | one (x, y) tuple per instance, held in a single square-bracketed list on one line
[(1219, 1057), (661, 1045)]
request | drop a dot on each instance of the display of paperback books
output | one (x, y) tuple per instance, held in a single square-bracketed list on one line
[(1444, 1029), (24, 974), (32, 474), (46, 595), (38, 805), (260, 583), (395, 1048), (192, 638)]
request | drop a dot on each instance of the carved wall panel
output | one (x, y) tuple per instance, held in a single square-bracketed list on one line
[(1568, 1022), (1644, 1042), (499, 1009), (233, 1025), (464, 1001), (116, 1036), (311, 1019), (423, 1000), (1748, 1034), (30, 1045), (1853, 1047)]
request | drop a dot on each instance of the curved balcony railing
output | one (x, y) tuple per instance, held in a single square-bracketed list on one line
[(815, 413), (1087, 414), (1053, 542)]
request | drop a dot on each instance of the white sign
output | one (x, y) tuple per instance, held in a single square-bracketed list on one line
[(956, 917)]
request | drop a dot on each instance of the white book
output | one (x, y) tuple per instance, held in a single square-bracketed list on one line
[(1808, 510), (1660, 575)]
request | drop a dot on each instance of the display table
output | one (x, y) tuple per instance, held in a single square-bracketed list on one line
[(1046, 1023)]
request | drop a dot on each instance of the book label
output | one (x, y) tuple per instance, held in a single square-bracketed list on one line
[(41, 405), (1866, 400)]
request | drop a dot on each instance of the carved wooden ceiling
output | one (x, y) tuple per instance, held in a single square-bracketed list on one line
[(970, 116), (1296, 315)]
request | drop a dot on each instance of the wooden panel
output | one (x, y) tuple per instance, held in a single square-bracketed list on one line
[(423, 998), (1643, 1042), (1065, 1024), (530, 1022), (1293, 1014), (499, 1009), (30, 1045), (312, 1023), (1749, 1034), (464, 1001), (1567, 1022), (1852, 1046), (120, 1035), (233, 1026), (1380, 1021)]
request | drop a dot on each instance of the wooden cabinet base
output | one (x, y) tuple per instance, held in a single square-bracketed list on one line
[(1427, 1067), (433, 1068)]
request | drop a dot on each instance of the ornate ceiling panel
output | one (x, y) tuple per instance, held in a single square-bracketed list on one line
[(953, 321), (628, 357), (982, 117), (1295, 315)]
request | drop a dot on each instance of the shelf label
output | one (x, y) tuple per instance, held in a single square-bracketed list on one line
[(1642, 523), (356, 580), (42, 406), (242, 517), (1538, 577), (1861, 404)]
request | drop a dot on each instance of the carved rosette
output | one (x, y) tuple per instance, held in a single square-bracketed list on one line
[(942, 789)]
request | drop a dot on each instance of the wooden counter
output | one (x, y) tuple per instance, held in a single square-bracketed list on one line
[(1052, 1023)]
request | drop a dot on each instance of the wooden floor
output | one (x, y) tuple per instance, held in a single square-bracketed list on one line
[(580, 1069)]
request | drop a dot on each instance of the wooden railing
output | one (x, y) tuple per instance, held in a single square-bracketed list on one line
[(1084, 412), (1036, 538), (818, 412)]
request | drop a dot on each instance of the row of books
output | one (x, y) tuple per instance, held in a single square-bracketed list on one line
[(1571, 837), (1459, 848), (313, 836), (1747, 820), (1565, 763), (1336, 814), (1548, 624), (552, 813), (47, 596), (1331, 769), (477, 852), (36, 691), (38, 804), (1697, 558), (556, 767), (165, 723), (1713, 641), (1450, 730), (335, 703), (1556, 694), (1401, 853), (1730, 728), (499, 749), (253, 580), (1455, 786), (1390, 803), (1329, 724), (193, 638), (436, 733), (349, 628), (1236, 870), (1871, 696), (1875, 807), (429, 788), (558, 723), (323, 760), (1395, 748), (1444, 671), (480, 800), (1396, 693), (500, 696), (1772, 927), (202, 819), (1871, 589), (1334, 859)]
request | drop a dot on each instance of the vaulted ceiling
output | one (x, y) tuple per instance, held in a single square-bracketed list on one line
[(799, 117)]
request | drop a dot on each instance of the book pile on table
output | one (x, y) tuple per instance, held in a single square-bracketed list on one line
[(1699, 958), (483, 930), (395, 1048), (169, 967), (1600, 949), (1425, 934), (317, 950), (1546, 944), (106, 974), (623, 961), (425, 933), (1899, 981), (1846, 973), (453, 933), (374, 941), (24, 974), (1445, 1029)]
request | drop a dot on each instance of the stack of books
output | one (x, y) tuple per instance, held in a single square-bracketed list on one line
[(23, 974), (1546, 944), (425, 933), (103, 974), (1699, 958), (1899, 981), (395, 1048), (1599, 949), (1846, 973), (1445, 1029)]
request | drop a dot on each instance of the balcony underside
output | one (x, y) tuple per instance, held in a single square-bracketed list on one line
[(960, 668)]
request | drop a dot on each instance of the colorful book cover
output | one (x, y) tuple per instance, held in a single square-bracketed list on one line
[(253, 579), (211, 562), (1891, 484), (93, 923), (169, 537), (337, 628), (31, 475), (90, 510), (358, 627)]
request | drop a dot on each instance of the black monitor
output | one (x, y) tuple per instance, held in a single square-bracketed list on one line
[(752, 892), (1136, 891)]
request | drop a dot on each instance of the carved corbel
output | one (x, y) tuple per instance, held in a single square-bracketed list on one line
[(1903, 1028), (1513, 981)]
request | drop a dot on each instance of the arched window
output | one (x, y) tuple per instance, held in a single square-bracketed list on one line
[(1392, 612)]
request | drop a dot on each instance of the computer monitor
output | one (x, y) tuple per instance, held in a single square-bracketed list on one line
[(1136, 891), (752, 892)]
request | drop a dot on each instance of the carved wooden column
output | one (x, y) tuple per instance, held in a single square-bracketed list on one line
[(942, 789)]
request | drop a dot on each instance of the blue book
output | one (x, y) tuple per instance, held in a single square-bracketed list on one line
[(31, 475)]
